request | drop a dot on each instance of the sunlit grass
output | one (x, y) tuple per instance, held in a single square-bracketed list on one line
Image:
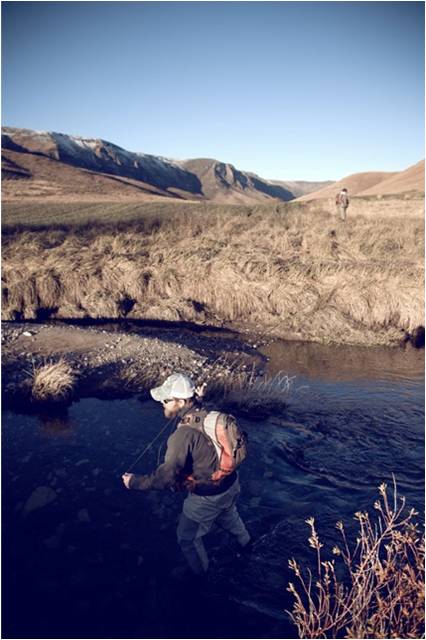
[(282, 270), (52, 381)]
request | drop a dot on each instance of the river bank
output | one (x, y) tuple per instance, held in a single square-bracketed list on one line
[(245, 373), (111, 362)]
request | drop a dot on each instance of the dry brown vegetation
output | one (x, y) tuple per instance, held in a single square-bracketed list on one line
[(232, 385), (53, 381), (287, 270), (379, 594)]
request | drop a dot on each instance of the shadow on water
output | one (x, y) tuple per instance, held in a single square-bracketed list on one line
[(83, 557)]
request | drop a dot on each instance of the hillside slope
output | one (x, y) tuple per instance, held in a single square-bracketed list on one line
[(369, 183), (354, 183), (100, 156), (222, 182), (31, 176), (412, 179)]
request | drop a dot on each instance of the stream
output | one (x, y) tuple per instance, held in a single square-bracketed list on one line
[(98, 561)]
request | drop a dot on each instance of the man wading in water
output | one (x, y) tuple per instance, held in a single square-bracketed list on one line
[(202, 455)]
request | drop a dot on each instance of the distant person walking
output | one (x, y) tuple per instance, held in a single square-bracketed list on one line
[(202, 454), (342, 203)]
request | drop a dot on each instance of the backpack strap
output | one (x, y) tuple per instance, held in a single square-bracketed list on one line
[(213, 426), (207, 422), (210, 424)]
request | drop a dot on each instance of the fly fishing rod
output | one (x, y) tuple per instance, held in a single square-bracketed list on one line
[(149, 445)]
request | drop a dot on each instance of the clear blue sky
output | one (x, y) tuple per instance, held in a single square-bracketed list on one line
[(288, 90)]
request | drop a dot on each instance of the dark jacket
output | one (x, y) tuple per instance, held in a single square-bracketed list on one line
[(189, 453)]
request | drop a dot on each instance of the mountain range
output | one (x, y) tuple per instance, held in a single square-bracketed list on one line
[(47, 164), (39, 165)]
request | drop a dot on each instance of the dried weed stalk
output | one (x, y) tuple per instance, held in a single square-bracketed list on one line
[(380, 593)]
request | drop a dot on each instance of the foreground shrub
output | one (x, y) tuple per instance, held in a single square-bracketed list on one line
[(53, 382), (377, 591)]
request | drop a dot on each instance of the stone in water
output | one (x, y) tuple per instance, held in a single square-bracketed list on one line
[(83, 515), (39, 498)]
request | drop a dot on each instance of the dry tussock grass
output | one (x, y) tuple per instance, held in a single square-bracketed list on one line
[(138, 378), (377, 590), (53, 381), (292, 270), (233, 385), (256, 395)]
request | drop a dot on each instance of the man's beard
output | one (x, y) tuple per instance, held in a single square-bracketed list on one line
[(170, 412)]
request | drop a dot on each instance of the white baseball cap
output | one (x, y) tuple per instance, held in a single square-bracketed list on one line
[(178, 385)]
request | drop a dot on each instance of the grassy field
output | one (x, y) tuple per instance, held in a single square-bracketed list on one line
[(290, 270), (44, 214)]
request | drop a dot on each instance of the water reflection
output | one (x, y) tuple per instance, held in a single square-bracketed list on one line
[(339, 363), (57, 424)]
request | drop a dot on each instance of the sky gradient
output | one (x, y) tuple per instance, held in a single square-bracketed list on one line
[(288, 90)]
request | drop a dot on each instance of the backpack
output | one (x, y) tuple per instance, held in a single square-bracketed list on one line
[(222, 429)]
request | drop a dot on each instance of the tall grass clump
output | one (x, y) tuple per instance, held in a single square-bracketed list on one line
[(138, 378), (377, 590), (53, 382), (235, 386)]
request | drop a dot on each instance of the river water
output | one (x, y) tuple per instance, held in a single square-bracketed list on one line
[(99, 561)]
